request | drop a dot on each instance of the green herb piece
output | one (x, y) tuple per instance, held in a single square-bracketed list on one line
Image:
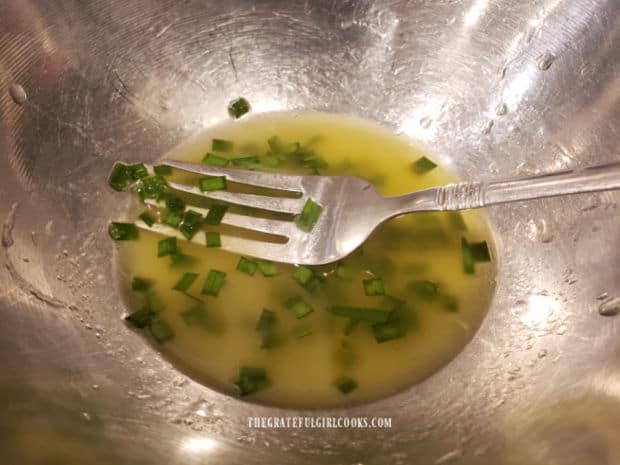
[(374, 315), (140, 319), (216, 214), (351, 324), (480, 251), (161, 331), (221, 145), (123, 231), (423, 165), (238, 107), (179, 259), (140, 284), (314, 284), (251, 162), (173, 219), (214, 282), (346, 385), (214, 160), (120, 177), (373, 287), (266, 321), (449, 303), (196, 315), (147, 219), (251, 379), (162, 170), (388, 331), (298, 307), (291, 149), (185, 282), (272, 339), (214, 239), (468, 258), (215, 183), (175, 204), (269, 269), (247, 266), (309, 215), (153, 187), (303, 275), (137, 171), (456, 221), (167, 246), (154, 303), (315, 164), (274, 144), (271, 161), (344, 272), (424, 289), (192, 221)]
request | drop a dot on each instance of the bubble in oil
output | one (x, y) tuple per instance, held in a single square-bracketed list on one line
[(501, 109), (545, 61), (18, 94), (610, 307)]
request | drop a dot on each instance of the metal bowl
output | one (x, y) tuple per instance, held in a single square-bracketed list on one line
[(496, 87)]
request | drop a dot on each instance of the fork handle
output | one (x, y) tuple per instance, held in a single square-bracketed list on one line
[(466, 195)]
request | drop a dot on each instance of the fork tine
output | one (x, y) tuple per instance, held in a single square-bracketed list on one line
[(270, 180), (263, 202)]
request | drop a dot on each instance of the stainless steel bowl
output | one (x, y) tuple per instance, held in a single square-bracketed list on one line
[(497, 87)]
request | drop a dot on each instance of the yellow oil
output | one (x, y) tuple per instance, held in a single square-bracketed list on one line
[(303, 371)]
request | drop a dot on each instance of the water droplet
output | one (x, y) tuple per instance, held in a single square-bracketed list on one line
[(86, 416), (487, 127), (95, 387), (18, 94), (545, 61), (425, 122), (542, 353), (610, 307), (602, 296), (501, 109)]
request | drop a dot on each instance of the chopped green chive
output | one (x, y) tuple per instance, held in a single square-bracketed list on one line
[(449, 303), (161, 331), (120, 177), (179, 259), (137, 171), (173, 219), (175, 204), (140, 319), (215, 214), (298, 307), (214, 160), (192, 221), (423, 165), (373, 287), (424, 289), (456, 221), (185, 282), (238, 107), (196, 315), (212, 184), (123, 231), (140, 284), (468, 258), (351, 324), (162, 170), (214, 239), (247, 266), (344, 272), (251, 379), (387, 331), (152, 187), (214, 282), (154, 303), (266, 321), (480, 251), (274, 144), (271, 161), (251, 162), (309, 215), (374, 315), (221, 145), (269, 269), (147, 219), (292, 148), (167, 246), (346, 385), (303, 275)]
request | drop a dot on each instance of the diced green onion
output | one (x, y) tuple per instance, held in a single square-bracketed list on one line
[(214, 160), (238, 107), (167, 246), (179, 259), (291, 148), (147, 219), (449, 303), (251, 162), (374, 315), (468, 258), (214, 239), (140, 319), (152, 187), (423, 165), (274, 144), (221, 145), (162, 170), (480, 251), (173, 219), (251, 379), (214, 282), (192, 221), (196, 315), (175, 204), (456, 221), (154, 303), (123, 231), (161, 331), (137, 171), (271, 161), (120, 176), (298, 307), (303, 275), (247, 266), (373, 287), (266, 321), (215, 214), (388, 331), (212, 184), (344, 272), (346, 385), (424, 289), (140, 284), (351, 324), (309, 215), (315, 164), (269, 269), (185, 282)]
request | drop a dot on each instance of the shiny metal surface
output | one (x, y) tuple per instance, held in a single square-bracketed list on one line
[(495, 87)]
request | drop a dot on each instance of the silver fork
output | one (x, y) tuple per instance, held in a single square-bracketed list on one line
[(353, 208)]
